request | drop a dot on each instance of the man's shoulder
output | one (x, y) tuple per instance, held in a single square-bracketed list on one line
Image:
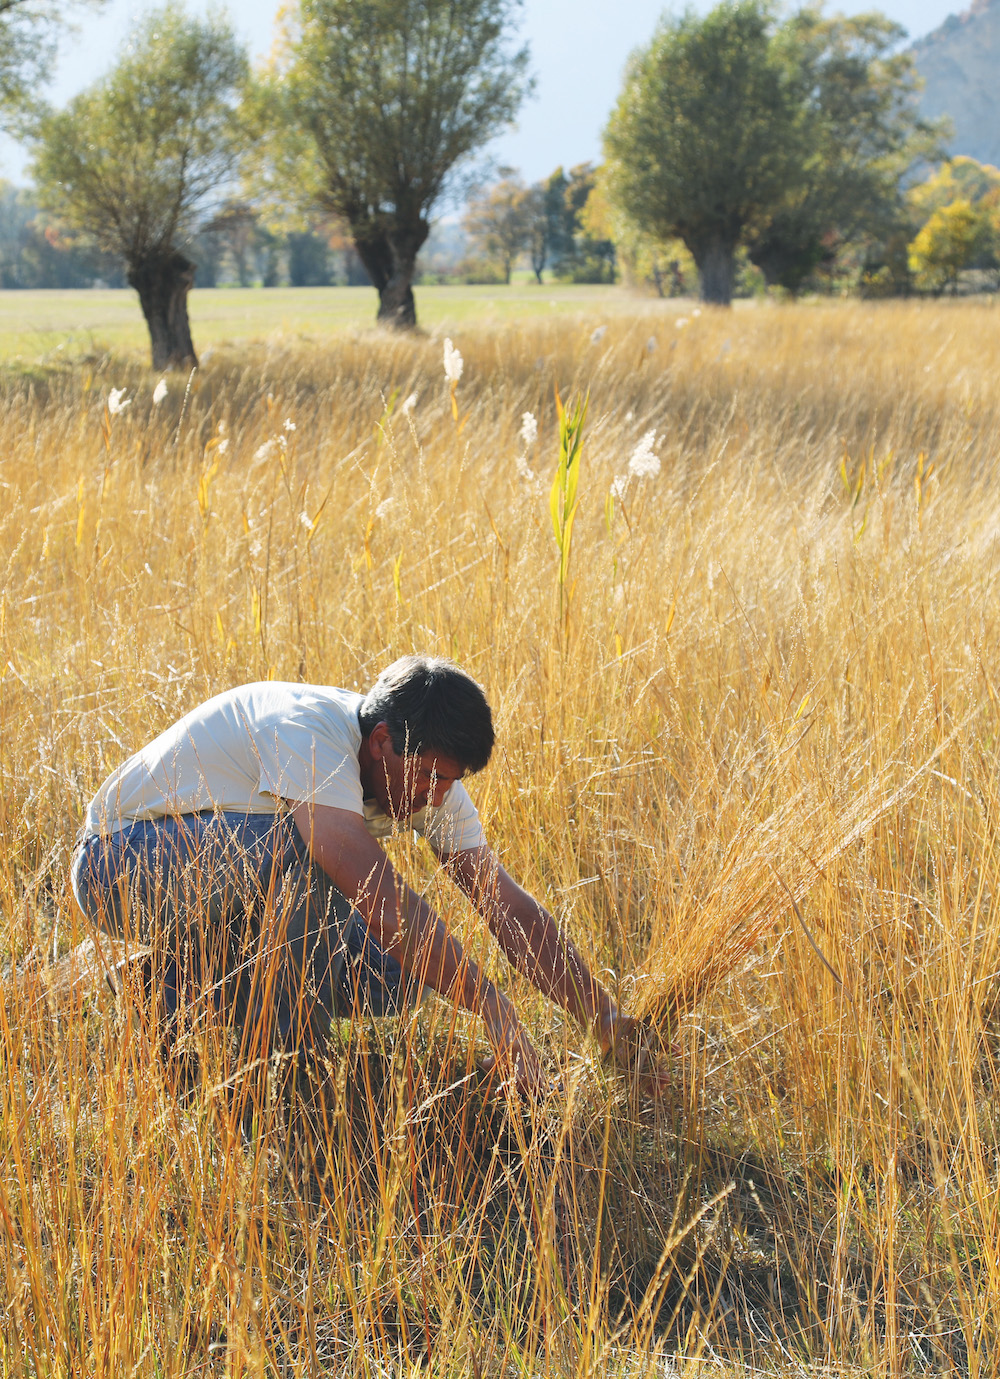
[(278, 710), (304, 739), (275, 698)]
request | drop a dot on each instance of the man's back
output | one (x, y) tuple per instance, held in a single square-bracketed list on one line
[(246, 749)]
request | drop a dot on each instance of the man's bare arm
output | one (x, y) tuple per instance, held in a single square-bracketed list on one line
[(530, 940), (407, 928)]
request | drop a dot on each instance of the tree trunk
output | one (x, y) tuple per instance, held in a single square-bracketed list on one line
[(538, 248), (163, 282), (389, 253), (716, 260), (396, 304)]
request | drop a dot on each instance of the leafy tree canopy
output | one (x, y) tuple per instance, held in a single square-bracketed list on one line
[(785, 137), (945, 245), (498, 220), (136, 159), (861, 134), (707, 135), (140, 158), (375, 104), (28, 33), (957, 179), (958, 209)]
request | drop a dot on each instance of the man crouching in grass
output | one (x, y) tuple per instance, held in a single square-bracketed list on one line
[(242, 845)]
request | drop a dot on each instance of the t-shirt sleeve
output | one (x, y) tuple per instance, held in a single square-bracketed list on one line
[(455, 825), (311, 756)]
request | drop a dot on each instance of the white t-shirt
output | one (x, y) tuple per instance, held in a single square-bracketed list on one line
[(253, 747)]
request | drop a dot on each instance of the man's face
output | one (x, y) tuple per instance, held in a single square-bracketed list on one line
[(403, 785)]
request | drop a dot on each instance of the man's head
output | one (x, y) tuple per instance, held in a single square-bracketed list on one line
[(424, 707)]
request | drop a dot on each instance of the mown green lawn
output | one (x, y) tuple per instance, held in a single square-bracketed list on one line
[(36, 326)]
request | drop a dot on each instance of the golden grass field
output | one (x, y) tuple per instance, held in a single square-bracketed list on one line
[(775, 682)]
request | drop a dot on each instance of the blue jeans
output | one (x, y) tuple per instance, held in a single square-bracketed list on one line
[(239, 919)]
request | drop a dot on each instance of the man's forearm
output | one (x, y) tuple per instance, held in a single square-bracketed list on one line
[(552, 963), (401, 922), (530, 940), (408, 929)]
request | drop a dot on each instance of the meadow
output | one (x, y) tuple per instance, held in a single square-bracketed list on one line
[(747, 754), (48, 327)]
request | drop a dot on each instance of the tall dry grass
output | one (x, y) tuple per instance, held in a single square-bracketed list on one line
[(765, 731)]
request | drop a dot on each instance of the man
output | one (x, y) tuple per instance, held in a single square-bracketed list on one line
[(242, 845)]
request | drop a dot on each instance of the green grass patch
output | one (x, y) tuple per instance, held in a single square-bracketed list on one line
[(43, 325)]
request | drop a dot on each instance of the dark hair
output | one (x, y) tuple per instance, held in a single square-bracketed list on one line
[(429, 705)]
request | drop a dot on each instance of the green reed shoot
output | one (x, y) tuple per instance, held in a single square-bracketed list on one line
[(562, 498)]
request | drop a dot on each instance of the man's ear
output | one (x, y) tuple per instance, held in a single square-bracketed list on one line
[(379, 741)]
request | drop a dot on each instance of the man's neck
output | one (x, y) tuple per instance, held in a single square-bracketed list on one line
[(366, 766)]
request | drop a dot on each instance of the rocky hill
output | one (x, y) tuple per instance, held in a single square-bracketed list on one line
[(960, 64)]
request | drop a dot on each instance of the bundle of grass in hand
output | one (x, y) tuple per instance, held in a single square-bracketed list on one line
[(790, 828)]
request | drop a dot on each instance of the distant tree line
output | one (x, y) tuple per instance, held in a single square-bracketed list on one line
[(235, 248), (748, 151), (546, 223), (943, 237)]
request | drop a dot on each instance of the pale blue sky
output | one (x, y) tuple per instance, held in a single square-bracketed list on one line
[(578, 49)]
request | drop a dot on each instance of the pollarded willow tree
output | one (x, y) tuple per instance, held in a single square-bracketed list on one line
[(707, 136), (140, 160), (376, 104), (787, 138)]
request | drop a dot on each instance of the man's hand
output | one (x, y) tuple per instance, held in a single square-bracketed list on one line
[(632, 1045), (515, 1059), (530, 939)]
